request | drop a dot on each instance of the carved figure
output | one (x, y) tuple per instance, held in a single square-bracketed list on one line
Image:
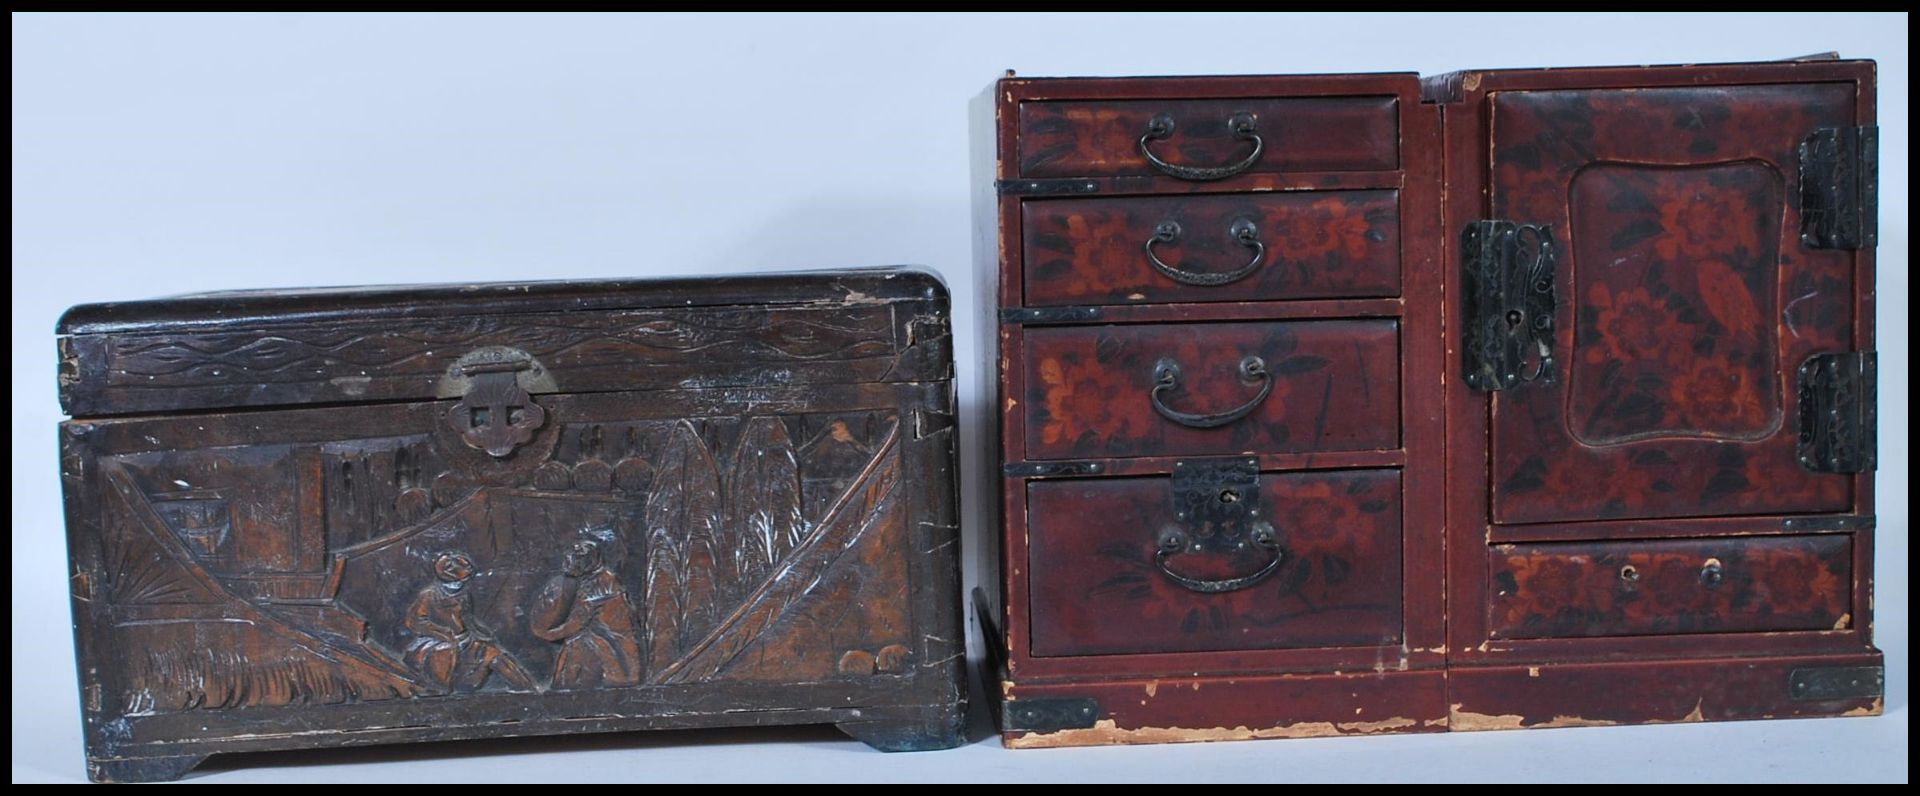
[(450, 649), (586, 610)]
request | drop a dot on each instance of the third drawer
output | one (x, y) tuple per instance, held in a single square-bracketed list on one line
[(1198, 389)]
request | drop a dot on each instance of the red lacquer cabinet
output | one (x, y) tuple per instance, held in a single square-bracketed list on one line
[(1356, 404)]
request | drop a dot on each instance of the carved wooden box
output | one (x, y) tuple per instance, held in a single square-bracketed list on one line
[(1345, 404), (340, 517)]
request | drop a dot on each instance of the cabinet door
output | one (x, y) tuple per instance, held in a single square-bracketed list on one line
[(1686, 300)]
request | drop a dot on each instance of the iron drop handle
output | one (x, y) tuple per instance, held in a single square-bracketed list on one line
[(1173, 541), (1243, 232), (1160, 128), (1166, 378)]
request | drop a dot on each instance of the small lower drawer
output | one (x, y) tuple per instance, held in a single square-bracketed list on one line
[(1101, 585), (1631, 588)]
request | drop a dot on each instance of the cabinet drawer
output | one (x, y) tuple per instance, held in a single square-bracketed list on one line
[(1098, 587), (1726, 585), (1104, 138), (1212, 247), (1265, 387)]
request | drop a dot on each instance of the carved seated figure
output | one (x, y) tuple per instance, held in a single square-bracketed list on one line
[(450, 649), (586, 610)]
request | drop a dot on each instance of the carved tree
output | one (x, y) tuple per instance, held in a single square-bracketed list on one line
[(683, 527), (763, 501)]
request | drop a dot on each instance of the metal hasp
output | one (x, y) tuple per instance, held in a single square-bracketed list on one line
[(1051, 715), (1837, 682), (1840, 188), (495, 413), (1838, 420), (1508, 318), (1216, 505)]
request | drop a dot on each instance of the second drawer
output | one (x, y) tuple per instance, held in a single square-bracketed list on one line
[(1212, 388), (1211, 247)]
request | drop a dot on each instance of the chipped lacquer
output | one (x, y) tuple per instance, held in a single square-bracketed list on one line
[(1626, 313)]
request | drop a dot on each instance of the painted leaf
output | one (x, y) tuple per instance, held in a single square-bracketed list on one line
[(1727, 297)]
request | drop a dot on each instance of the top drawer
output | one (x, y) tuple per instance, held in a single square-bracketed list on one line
[(1208, 139)]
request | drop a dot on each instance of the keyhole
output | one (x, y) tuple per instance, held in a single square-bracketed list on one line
[(1229, 496), (1514, 319), (479, 417)]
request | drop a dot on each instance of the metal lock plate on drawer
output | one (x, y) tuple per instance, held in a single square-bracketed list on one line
[(1216, 501), (1216, 506)]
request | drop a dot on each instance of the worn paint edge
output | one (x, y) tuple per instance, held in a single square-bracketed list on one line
[(1107, 732), (1462, 720)]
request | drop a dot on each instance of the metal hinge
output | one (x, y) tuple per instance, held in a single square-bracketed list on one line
[(1829, 522), (1056, 187), (1840, 188), (1049, 314), (1049, 469), (1050, 715), (1837, 682), (1508, 318), (1839, 424)]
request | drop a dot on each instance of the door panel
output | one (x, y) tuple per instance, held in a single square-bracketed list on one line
[(1686, 301)]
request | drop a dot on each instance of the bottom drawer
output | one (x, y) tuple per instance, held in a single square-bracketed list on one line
[(1630, 588), (1102, 584)]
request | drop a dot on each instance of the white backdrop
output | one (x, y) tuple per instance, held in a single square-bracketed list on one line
[(165, 154)]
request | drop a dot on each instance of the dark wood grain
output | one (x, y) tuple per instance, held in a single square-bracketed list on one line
[(738, 546), (302, 362)]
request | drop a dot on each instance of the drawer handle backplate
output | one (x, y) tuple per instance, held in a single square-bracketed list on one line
[(1243, 232), (1160, 128), (1166, 378)]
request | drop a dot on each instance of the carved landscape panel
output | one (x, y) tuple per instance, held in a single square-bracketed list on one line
[(635, 554)]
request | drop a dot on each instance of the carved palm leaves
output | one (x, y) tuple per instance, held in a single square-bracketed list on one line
[(712, 540), (763, 500), (683, 526)]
